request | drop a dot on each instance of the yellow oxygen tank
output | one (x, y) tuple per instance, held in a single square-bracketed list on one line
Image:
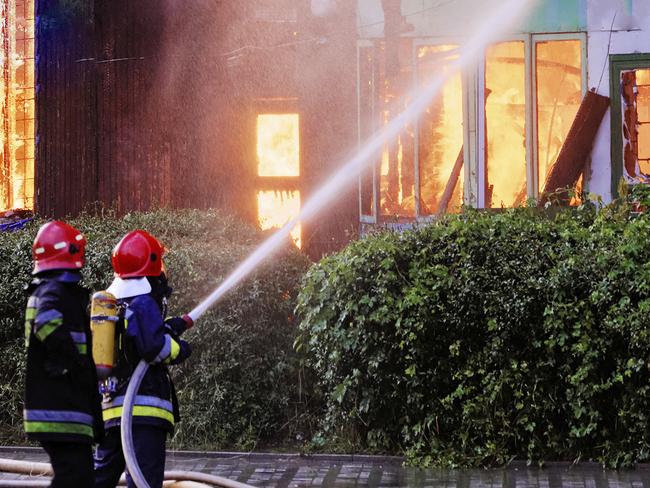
[(103, 317)]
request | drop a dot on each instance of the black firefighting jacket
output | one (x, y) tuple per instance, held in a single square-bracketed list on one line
[(62, 401), (142, 334)]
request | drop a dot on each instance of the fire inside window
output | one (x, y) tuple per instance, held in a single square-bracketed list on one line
[(524, 122), (17, 104), (636, 122), (278, 156)]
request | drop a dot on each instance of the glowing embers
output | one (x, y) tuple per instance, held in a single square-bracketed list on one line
[(278, 157), (559, 93), (440, 130), (17, 103), (505, 125)]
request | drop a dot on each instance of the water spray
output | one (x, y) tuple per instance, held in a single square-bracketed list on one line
[(494, 26), (502, 18)]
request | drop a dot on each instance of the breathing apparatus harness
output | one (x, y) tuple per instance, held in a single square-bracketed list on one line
[(115, 370)]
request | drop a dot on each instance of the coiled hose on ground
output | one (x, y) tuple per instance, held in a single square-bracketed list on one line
[(41, 473)]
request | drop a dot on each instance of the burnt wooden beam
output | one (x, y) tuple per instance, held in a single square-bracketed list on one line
[(577, 145), (451, 183), (278, 183)]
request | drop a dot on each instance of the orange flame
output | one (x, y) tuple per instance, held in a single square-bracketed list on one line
[(278, 208), (505, 109), (559, 94), (441, 128), (643, 111), (278, 144), (278, 155), (17, 87)]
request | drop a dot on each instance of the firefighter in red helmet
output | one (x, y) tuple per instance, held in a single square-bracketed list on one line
[(62, 404), (141, 289)]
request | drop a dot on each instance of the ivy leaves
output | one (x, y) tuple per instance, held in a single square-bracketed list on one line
[(488, 336)]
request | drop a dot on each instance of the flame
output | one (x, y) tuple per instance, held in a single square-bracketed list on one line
[(441, 129), (278, 144), (275, 209), (643, 111), (643, 77), (278, 155), (505, 109), (397, 177), (559, 94), (17, 88), (397, 169)]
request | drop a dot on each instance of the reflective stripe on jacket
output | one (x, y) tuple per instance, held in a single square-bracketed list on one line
[(143, 335), (61, 398)]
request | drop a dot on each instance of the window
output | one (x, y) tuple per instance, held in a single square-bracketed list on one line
[(440, 132), (630, 77), (559, 91), (17, 126), (488, 139), (505, 124), (278, 169), (532, 90)]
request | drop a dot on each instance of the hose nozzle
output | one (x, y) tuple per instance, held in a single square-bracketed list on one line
[(189, 321)]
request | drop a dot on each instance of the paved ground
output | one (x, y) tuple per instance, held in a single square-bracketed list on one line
[(293, 471)]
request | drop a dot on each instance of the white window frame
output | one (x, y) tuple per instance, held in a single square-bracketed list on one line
[(418, 43), (473, 79), (532, 157), (366, 219), (536, 38)]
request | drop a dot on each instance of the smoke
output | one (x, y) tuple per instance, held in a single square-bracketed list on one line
[(493, 27), (322, 8)]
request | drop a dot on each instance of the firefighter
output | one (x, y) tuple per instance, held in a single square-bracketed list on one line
[(141, 289), (62, 405)]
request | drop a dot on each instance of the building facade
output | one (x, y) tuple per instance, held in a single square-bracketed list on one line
[(249, 106), (496, 129)]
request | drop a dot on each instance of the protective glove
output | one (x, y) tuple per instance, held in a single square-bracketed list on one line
[(185, 352), (178, 325)]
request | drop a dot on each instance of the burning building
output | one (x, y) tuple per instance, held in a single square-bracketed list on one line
[(17, 104), (496, 131), (250, 105)]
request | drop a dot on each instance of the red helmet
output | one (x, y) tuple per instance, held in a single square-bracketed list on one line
[(58, 246), (138, 254)]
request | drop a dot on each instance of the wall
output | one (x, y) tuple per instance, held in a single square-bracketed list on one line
[(153, 103), (630, 33), (450, 19)]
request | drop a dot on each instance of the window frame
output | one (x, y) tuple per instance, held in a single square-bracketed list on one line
[(531, 124), (280, 106), (473, 81), (364, 218), (617, 64), (535, 39), (419, 42)]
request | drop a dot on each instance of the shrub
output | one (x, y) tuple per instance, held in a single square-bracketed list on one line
[(240, 385), (487, 337)]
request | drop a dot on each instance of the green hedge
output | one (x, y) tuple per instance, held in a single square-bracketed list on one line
[(240, 385), (487, 337)]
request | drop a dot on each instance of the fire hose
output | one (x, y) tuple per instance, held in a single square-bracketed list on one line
[(173, 479), (179, 477), (129, 450)]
